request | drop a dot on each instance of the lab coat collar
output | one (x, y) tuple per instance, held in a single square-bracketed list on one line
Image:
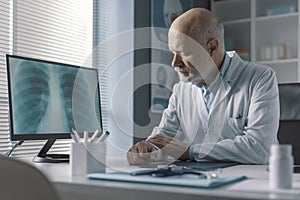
[(224, 84), (235, 68)]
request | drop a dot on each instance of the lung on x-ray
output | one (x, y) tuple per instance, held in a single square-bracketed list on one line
[(53, 98)]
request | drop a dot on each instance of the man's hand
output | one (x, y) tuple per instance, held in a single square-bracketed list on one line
[(170, 146), (141, 153)]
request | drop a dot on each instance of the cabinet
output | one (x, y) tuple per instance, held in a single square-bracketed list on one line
[(263, 31)]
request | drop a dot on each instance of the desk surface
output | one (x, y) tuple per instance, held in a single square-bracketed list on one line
[(255, 187)]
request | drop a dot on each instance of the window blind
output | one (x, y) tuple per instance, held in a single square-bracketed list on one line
[(100, 53), (55, 30), (5, 21)]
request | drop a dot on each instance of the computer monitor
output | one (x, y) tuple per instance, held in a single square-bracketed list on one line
[(48, 99)]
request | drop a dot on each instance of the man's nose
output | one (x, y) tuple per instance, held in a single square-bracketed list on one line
[(177, 61)]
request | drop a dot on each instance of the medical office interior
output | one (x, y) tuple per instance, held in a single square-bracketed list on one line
[(125, 44)]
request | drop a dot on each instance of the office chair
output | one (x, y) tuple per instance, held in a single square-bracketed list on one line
[(289, 125), (21, 181)]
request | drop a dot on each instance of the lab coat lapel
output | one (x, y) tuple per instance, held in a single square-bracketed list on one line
[(223, 89), (204, 114), (200, 126), (224, 85), (216, 119)]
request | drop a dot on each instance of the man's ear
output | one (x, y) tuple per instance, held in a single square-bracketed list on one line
[(212, 46)]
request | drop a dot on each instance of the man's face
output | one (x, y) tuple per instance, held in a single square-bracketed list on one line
[(191, 60)]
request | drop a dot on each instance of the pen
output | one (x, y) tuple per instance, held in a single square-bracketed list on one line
[(103, 137), (142, 172), (74, 136), (85, 137), (93, 138)]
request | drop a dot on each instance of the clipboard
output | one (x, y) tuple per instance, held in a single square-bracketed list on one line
[(179, 181)]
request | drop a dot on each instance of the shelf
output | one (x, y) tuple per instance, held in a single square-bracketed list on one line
[(231, 10), (237, 21), (267, 28), (226, 1), (263, 18), (275, 7), (292, 60)]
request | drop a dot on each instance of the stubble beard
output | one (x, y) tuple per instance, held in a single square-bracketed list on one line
[(189, 76)]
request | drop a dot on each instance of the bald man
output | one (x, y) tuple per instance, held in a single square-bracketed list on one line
[(223, 108)]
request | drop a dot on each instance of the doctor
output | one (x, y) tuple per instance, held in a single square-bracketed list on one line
[(223, 108)]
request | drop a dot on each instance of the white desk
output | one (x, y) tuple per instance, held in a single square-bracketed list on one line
[(255, 187)]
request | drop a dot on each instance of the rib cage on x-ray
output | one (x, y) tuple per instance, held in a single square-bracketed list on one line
[(41, 93), (31, 96), (78, 101)]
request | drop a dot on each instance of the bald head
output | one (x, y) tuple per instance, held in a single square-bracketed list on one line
[(201, 25), (196, 38)]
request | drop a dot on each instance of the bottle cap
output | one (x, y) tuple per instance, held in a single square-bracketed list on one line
[(281, 149)]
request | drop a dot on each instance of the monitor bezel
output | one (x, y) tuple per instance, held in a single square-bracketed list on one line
[(40, 136)]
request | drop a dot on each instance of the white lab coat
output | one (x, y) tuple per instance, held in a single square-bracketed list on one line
[(246, 108)]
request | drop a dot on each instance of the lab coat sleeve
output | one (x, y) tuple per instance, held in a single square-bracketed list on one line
[(169, 124), (260, 132)]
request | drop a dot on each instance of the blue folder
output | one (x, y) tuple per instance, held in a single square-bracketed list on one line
[(180, 180)]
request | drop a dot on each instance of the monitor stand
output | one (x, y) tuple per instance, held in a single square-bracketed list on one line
[(43, 157)]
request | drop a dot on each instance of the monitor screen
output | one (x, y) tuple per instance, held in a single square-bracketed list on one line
[(48, 99)]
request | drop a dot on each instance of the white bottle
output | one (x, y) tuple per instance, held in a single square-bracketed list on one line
[(281, 166), (274, 52), (268, 51)]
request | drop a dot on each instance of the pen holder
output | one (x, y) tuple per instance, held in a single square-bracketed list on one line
[(87, 158)]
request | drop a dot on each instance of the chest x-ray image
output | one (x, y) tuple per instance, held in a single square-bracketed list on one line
[(53, 98)]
